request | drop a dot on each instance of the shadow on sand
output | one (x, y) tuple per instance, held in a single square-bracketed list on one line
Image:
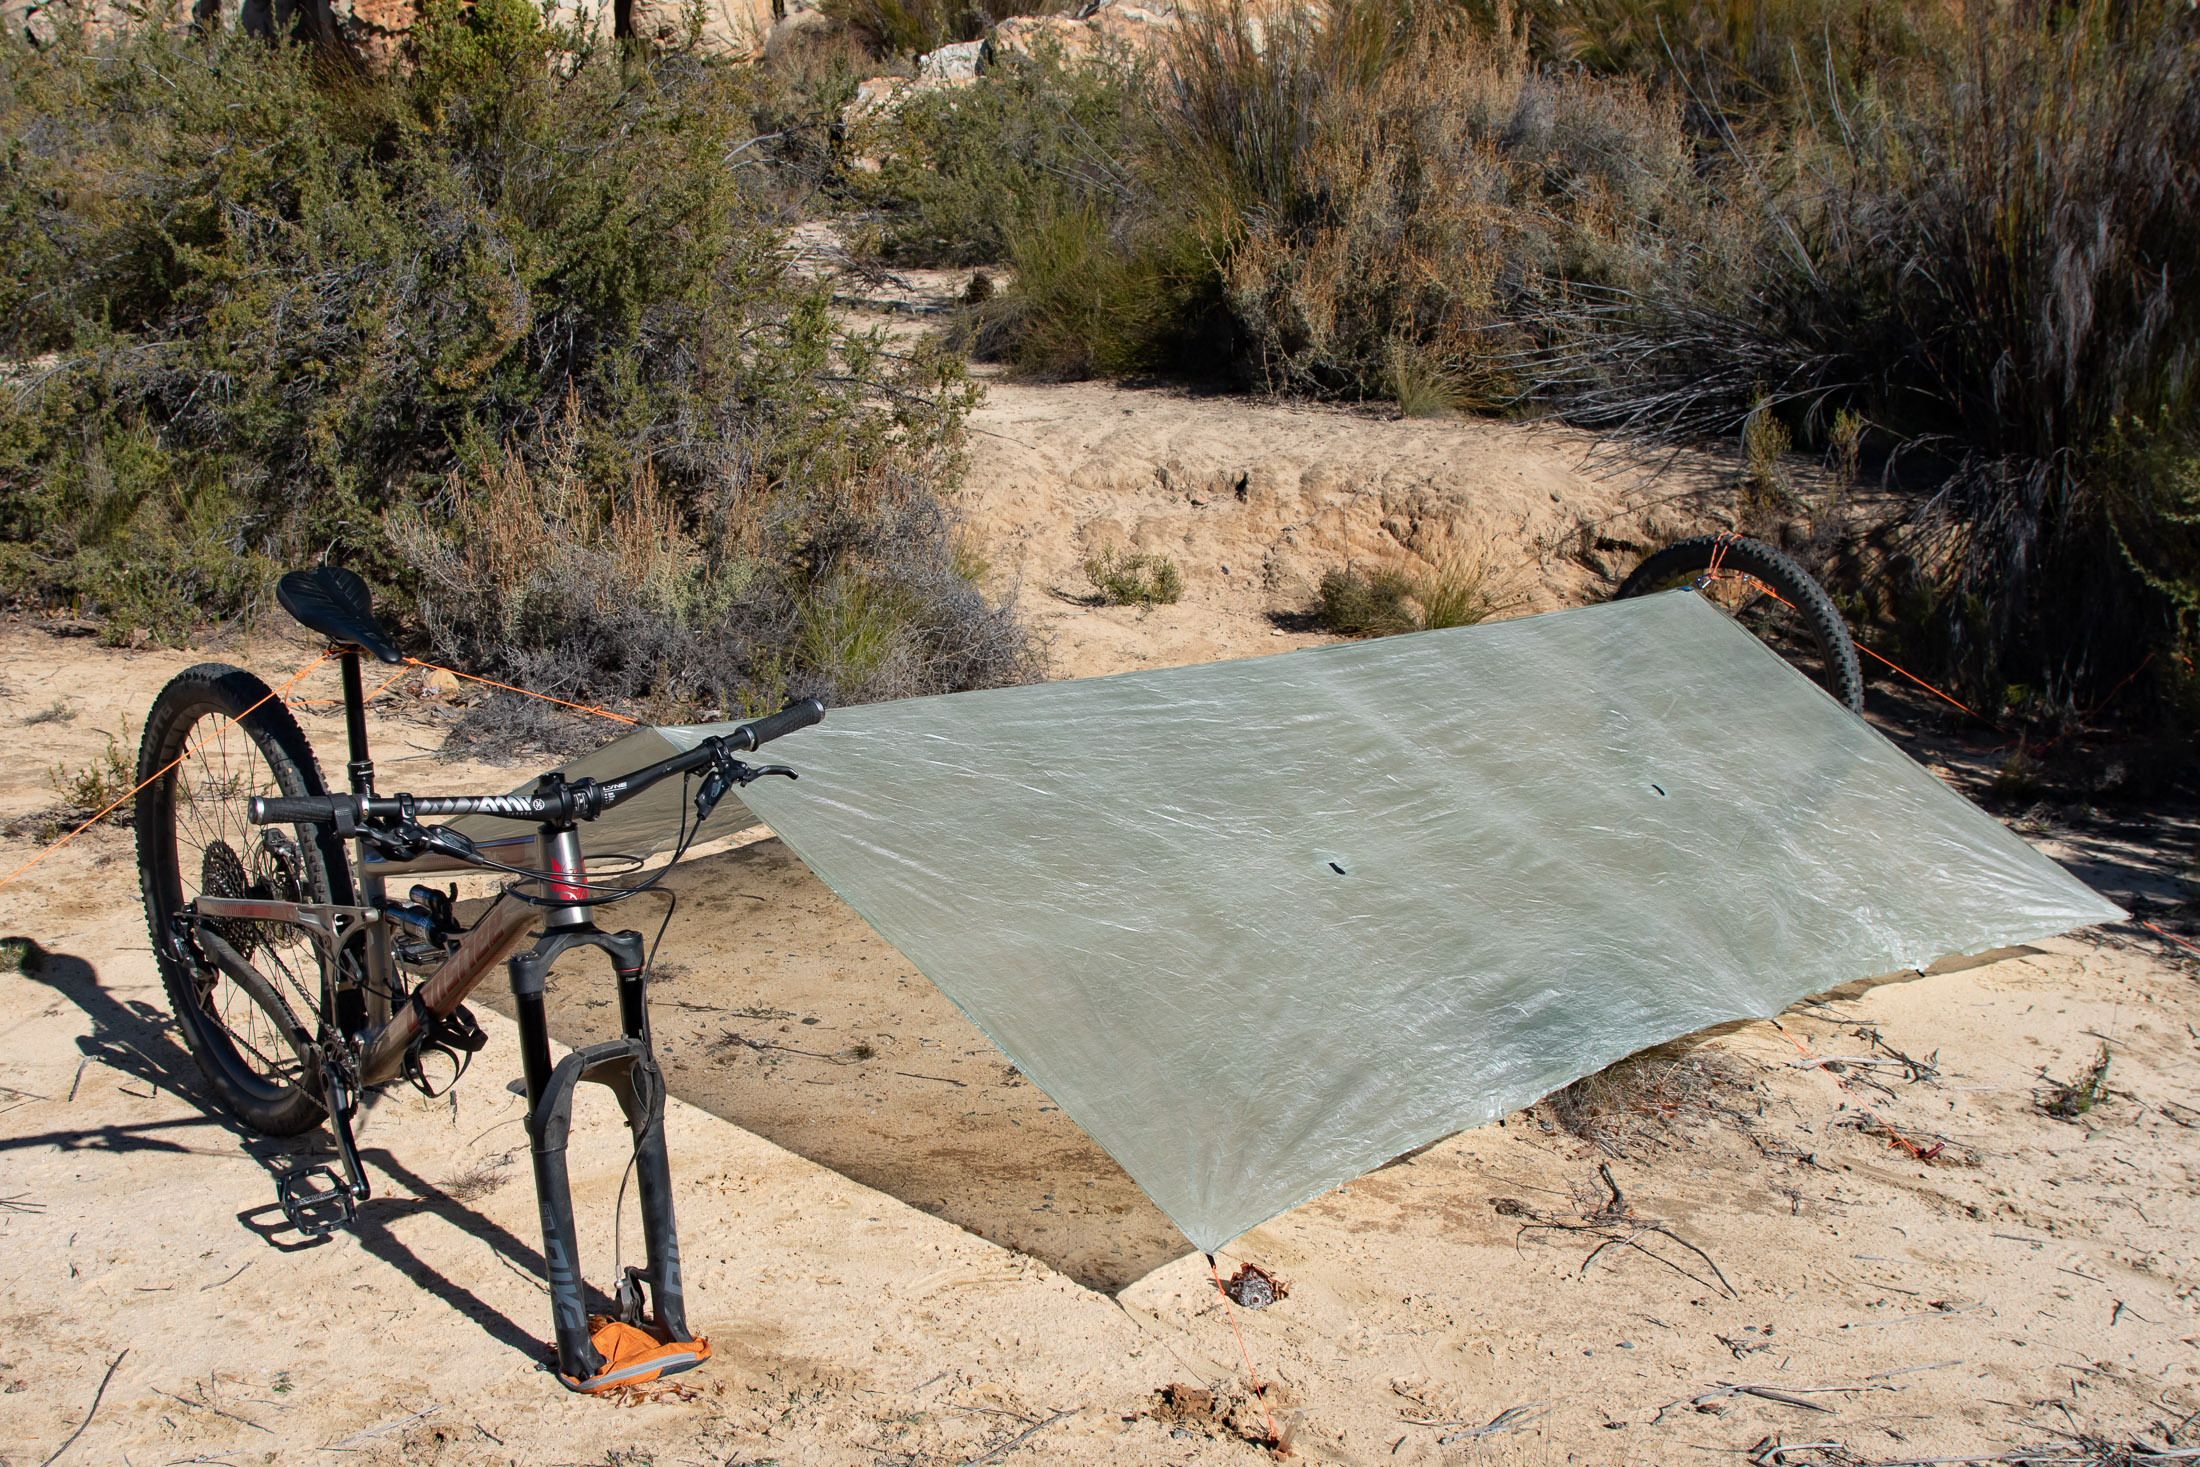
[(140, 1042)]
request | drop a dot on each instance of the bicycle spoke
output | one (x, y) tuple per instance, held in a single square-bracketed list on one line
[(221, 769)]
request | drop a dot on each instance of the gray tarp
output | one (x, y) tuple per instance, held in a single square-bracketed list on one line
[(1260, 926)]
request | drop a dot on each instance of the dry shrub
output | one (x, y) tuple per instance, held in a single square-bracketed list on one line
[(100, 785), (504, 535), (853, 592), (1984, 249), (1639, 1102), (1954, 242), (1410, 176)]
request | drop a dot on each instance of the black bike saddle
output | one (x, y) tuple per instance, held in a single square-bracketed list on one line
[(334, 602)]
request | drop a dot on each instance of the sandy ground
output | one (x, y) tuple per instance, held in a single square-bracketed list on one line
[(904, 1254), (1255, 501)]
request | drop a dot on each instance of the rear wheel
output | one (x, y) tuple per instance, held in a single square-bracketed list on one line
[(1769, 594), (204, 756)]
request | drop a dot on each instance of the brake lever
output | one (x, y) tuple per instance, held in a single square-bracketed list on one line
[(725, 773), (449, 842), (409, 839)]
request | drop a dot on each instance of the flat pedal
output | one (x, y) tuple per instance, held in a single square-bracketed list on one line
[(315, 1201)]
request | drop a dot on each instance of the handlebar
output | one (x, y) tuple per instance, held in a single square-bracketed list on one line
[(553, 800), (778, 725)]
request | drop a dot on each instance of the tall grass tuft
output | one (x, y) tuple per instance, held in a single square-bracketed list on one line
[(1985, 252), (1462, 589)]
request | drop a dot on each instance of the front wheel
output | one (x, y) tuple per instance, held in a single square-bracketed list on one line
[(1770, 595), (216, 737)]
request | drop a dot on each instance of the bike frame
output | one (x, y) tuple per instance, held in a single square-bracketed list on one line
[(338, 1065), (489, 942)]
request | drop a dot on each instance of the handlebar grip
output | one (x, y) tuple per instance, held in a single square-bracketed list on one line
[(310, 810), (778, 725)]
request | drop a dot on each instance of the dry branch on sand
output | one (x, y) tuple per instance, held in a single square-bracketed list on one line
[(1615, 1224)]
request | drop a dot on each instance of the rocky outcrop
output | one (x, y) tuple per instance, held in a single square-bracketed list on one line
[(42, 22), (374, 30)]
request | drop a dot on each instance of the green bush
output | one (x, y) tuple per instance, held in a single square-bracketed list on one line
[(268, 311), (1458, 591), (1128, 578), (1362, 603), (961, 172)]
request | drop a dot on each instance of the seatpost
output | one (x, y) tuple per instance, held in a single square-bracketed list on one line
[(361, 768), (382, 968)]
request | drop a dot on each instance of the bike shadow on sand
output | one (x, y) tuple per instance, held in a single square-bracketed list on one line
[(140, 1042)]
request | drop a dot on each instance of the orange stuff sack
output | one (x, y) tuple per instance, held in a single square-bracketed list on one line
[(634, 1356)]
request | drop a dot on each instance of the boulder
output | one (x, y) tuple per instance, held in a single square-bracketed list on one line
[(728, 27), (951, 66)]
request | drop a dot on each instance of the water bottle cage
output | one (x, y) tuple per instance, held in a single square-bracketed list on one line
[(457, 1036)]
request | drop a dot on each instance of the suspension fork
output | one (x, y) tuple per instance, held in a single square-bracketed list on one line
[(628, 1067)]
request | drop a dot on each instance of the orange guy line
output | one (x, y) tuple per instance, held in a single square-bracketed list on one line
[(226, 724)]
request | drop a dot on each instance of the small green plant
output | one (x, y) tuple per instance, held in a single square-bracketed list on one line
[(2019, 776), (1848, 444), (2070, 1101), (1765, 439), (1129, 578), (1358, 603), (969, 561), (57, 712), (106, 781), (20, 955)]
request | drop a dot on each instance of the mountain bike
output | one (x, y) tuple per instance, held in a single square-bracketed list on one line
[(1767, 592), (300, 983)]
